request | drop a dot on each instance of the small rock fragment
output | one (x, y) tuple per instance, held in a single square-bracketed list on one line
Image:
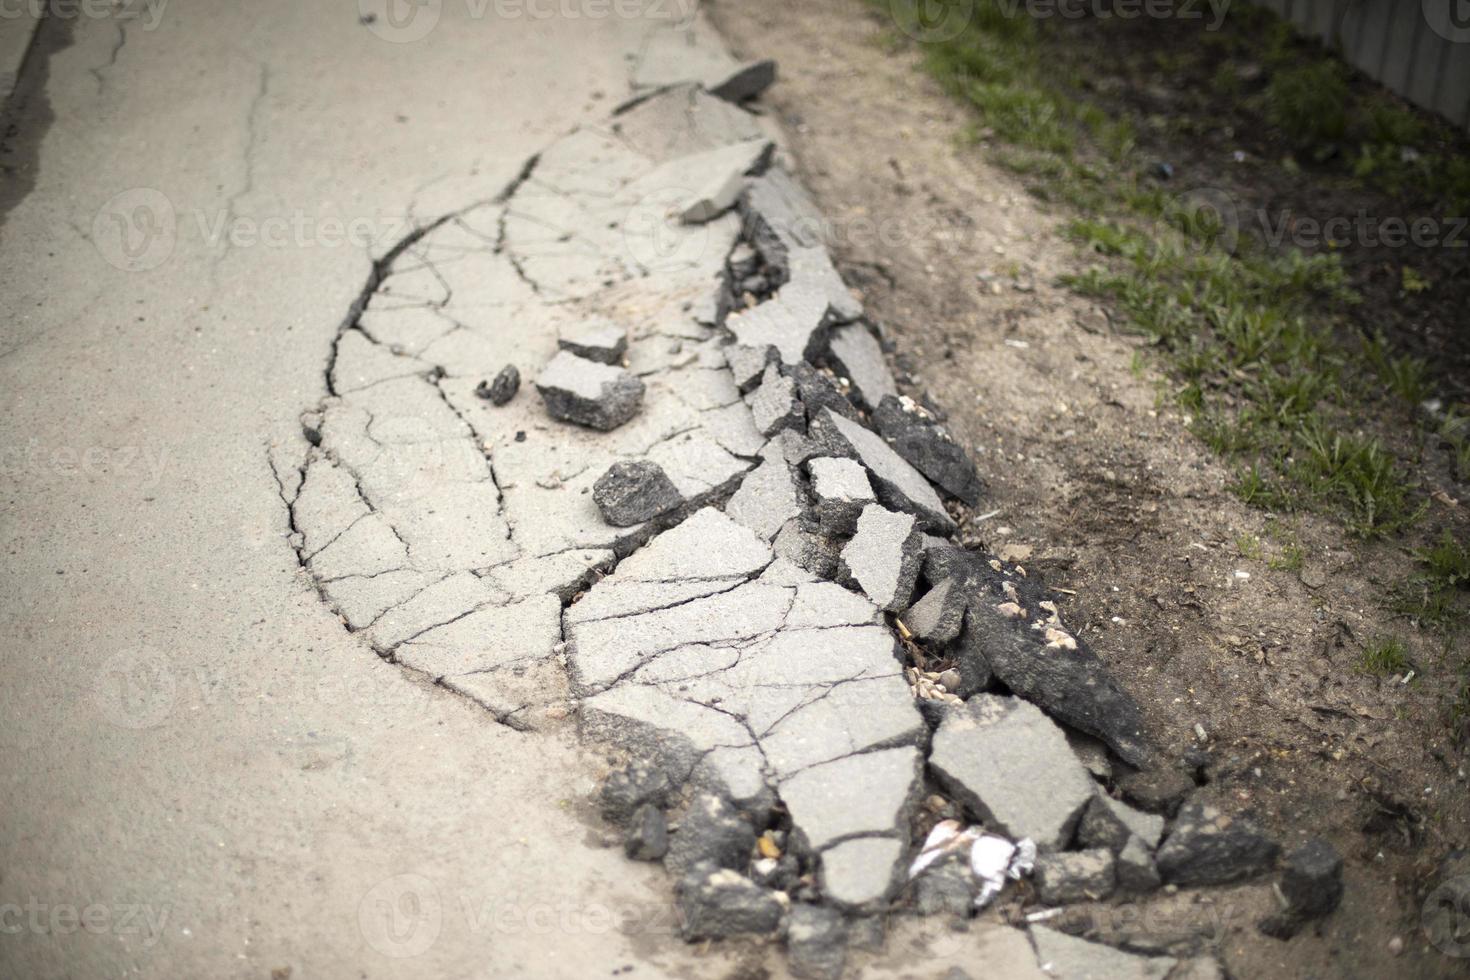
[(1207, 847), (816, 553), (503, 388), (928, 447), (647, 837), (938, 617), (842, 490), (745, 81), (627, 789), (1311, 883), (816, 942), (585, 392), (774, 405), (634, 491), (1011, 766), (711, 831), (1075, 876), (599, 340), (861, 874), (1157, 790), (946, 886), (1136, 870), (1312, 878), (856, 354), (882, 559), (1109, 823), (715, 903)]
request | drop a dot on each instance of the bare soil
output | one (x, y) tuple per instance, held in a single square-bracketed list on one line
[(1096, 482)]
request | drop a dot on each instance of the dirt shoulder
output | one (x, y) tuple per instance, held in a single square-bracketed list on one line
[(1220, 619)]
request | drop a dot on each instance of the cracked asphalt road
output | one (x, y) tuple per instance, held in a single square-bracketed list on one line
[(187, 729)]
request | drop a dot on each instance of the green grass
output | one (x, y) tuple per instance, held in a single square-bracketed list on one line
[(1384, 656), (1250, 336)]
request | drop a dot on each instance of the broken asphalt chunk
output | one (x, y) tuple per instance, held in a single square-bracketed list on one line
[(503, 388), (898, 484), (626, 789), (841, 488), (596, 340), (855, 352), (774, 405), (920, 440), (1011, 766), (713, 832), (1069, 958), (716, 903), (882, 559), (589, 393), (1208, 847), (861, 874), (816, 942), (938, 617), (1075, 876), (634, 491), (647, 836), (1110, 823), (1037, 659), (743, 82), (715, 178)]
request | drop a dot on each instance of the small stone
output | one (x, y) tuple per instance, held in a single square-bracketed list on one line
[(745, 81), (647, 838), (588, 393), (1109, 823), (774, 405), (1136, 870), (503, 388), (938, 617), (929, 448), (1312, 879), (1157, 790), (715, 903), (842, 490), (711, 832), (627, 789), (780, 873), (946, 886), (1075, 876), (950, 679), (1011, 767), (857, 356), (1207, 847), (599, 340), (882, 559), (634, 491), (816, 942)]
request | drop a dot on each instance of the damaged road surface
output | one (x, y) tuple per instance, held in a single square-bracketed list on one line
[(686, 536)]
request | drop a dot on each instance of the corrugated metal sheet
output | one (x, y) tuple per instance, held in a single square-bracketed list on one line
[(1418, 48)]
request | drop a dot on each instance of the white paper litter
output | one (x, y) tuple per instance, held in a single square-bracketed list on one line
[(993, 858)]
